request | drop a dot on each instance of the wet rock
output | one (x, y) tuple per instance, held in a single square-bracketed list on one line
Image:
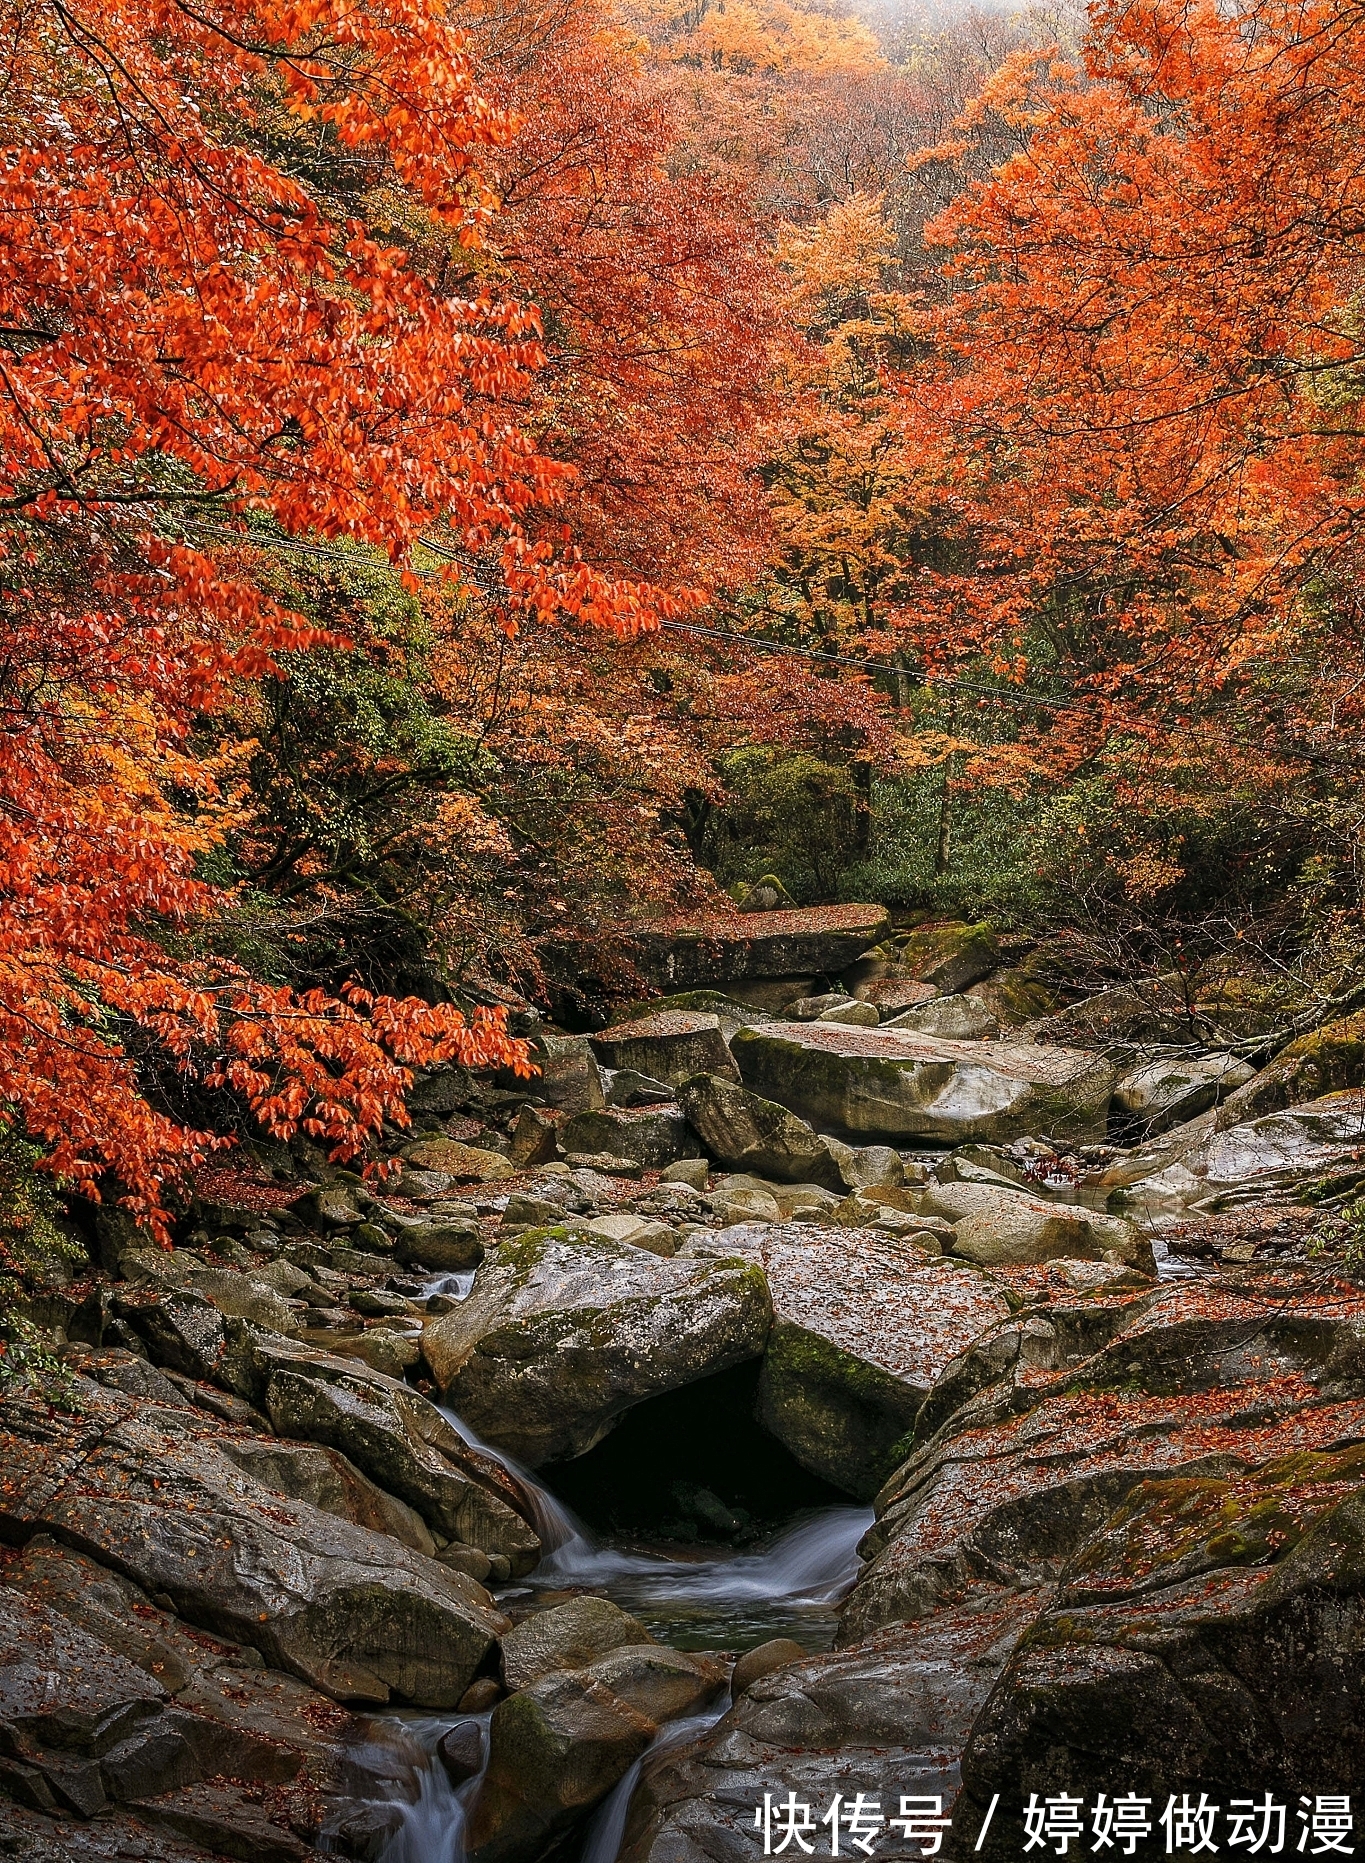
[(225, 1820), (895, 1085), (706, 951), (1161, 1093), (953, 1018), (650, 1137), (557, 1747), (238, 1296), (460, 1751), (897, 1708), (564, 1331), (997, 1225), (350, 1612), (395, 1437), (325, 1479), (745, 1131), (950, 955), (862, 1329), (762, 1660), (567, 1637), (670, 1046)]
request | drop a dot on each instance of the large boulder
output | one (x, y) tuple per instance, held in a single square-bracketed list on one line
[(749, 1133), (651, 1136), (669, 1046), (464, 1164), (565, 1330), (1208, 1634), (689, 954), (327, 1480), (566, 1637), (557, 1747), (950, 955), (999, 1226), (1161, 1092), (1045, 1425), (862, 1329), (394, 1436), (896, 1085), (349, 1611), (1287, 1150)]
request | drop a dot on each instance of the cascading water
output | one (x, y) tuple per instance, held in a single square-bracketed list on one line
[(729, 1601), (789, 1588)]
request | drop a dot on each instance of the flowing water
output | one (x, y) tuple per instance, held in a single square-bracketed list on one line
[(729, 1601)]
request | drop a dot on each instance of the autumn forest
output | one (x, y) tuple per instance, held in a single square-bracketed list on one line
[(479, 477)]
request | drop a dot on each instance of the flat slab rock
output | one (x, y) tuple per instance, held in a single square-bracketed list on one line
[(862, 1329), (718, 948), (895, 1084)]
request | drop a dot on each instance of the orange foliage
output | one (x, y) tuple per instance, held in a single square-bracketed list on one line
[(1140, 430)]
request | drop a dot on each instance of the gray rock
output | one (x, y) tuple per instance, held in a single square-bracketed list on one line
[(1160, 1093), (762, 1660), (747, 1132), (999, 1226), (325, 1479), (953, 1018), (723, 949), (851, 1015), (564, 1331), (395, 1437), (670, 1046), (570, 1079), (1200, 1164), (651, 1136), (441, 1243), (557, 1747), (894, 1085), (811, 1008), (567, 1637), (689, 1171), (349, 1611), (862, 1329)]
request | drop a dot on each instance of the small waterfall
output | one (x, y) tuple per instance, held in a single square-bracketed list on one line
[(602, 1844), (433, 1828)]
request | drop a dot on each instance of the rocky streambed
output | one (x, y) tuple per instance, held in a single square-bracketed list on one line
[(787, 1399)]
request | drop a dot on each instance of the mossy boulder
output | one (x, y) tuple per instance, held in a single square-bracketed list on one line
[(1327, 1060), (729, 1012), (565, 1330), (950, 955), (650, 1136), (748, 1133), (897, 1085), (862, 1329)]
